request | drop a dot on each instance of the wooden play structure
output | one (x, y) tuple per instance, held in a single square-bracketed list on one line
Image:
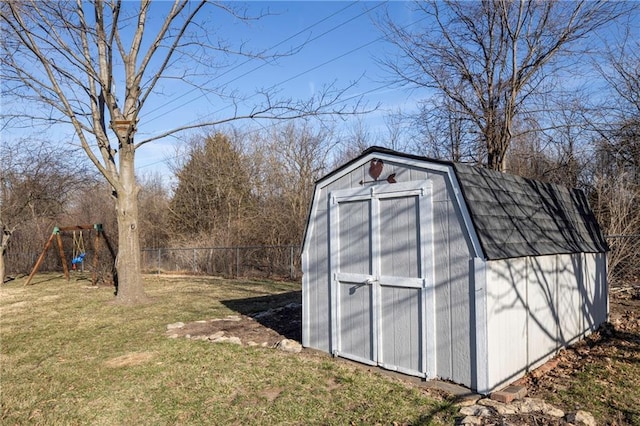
[(79, 253)]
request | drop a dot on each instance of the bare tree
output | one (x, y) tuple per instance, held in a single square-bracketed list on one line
[(618, 121), (37, 182), (447, 132), (154, 208), (285, 163), (95, 65), (357, 138), (616, 169), (489, 59)]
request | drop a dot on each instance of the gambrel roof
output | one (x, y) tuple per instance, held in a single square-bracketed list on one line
[(515, 216)]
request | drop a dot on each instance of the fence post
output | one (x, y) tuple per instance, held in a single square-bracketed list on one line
[(159, 259), (237, 262), (195, 268), (291, 271)]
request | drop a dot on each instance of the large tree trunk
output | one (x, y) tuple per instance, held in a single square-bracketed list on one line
[(129, 287), (4, 243), (497, 145), (2, 267)]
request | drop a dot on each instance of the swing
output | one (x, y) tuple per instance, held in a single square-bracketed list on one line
[(78, 250)]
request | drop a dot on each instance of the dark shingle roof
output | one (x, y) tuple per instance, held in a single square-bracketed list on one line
[(515, 217)]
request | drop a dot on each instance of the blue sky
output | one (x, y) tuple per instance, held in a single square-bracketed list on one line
[(339, 45)]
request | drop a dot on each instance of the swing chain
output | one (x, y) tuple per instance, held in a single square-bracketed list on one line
[(78, 248)]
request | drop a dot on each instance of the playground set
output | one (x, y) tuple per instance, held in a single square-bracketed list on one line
[(78, 251)]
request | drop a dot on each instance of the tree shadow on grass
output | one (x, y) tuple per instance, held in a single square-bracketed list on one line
[(280, 312)]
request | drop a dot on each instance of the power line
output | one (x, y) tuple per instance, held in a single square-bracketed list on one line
[(344, 100), (351, 4), (375, 89), (301, 73)]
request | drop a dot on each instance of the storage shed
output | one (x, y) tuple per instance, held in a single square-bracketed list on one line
[(443, 270)]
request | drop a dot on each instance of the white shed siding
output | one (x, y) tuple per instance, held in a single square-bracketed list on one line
[(541, 301), (537, 305), (595, 308), (506, 320), (479, 333), (316, 286), (570, 294)]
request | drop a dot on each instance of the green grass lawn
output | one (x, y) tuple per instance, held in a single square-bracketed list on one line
[(69, 356)]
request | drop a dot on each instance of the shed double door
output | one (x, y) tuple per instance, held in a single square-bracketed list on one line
[(379, 248)]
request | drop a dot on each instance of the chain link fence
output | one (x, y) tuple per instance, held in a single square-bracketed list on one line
[(274, 262), (623, 259), (281, 262)]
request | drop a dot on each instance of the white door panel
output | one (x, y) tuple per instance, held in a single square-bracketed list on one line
[(381, 267)]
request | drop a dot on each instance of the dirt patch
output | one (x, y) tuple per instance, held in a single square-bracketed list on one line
[(265, 328), (130, 359)]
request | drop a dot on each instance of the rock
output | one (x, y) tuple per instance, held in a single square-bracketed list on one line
[(262, 314), (535, 405), (251, 343), (552, 411), (224, 339), (467, 400), (529, 405), (199, 338), (509, 393), (475, 411), (500, 407), (174, 336), (293, 305), (216, 335), (232, 318), (175, 325), (581, 417), (470, 420), (235, 340), (288, 345)]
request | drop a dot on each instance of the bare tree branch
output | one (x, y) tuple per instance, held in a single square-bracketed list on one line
[(97, 63), (491, 58)]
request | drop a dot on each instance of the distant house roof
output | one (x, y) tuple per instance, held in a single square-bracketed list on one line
[(515, 217)]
